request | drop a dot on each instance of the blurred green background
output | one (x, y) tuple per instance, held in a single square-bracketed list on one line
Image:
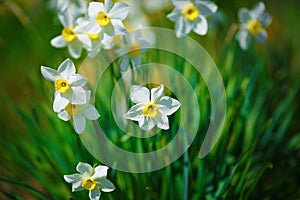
[(38, 149)]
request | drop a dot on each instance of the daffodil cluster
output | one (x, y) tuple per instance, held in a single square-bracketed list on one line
[(71, 100), (93, 27)]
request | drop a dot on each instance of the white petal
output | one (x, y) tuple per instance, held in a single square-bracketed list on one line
[(108, 42), (66, 69), (72, 178), (201, 27), (118, 26), (86, 41), (105, 185), (59, 102), (108, 4), (78, 96), (181, 4), (119, 11), (139, 94), (84, 167), (265, 19), (94, 8), (148, 123), (243, 38), (157, 93), (175, 15), (257, 10), (49, 73), (77, 186), (90, 112), (182, 27), (262, 36), (135, 113), (124, 63), (79, 123), (66, 18), (58, 42), (64, 115), (100, 172), (77, 80), (136, 61), (95, 194), (244, 15), (163, 122), (169, 105), (206, 8), (75, 49)]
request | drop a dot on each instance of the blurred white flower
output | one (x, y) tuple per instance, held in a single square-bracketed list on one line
[(91, 179), (99, 42), (134, 46), (253, 23), (74, 36), (79, 113), (68, 84), (77, 7), (106, 18), (151, 110), (191, 16)]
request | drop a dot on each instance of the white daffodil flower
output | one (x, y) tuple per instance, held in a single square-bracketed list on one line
[(106, 42), (106, 18), (79, 113), (134, 46), (191, 16), (74, 36), (151, 110), (91, 179), (77, 7), (68, 85), (253, 23)]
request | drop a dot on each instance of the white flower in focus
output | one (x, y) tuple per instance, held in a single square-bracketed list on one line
[(151, 110), (106, 18), (73, 36), (253, 23), (191, 16), (79, 113), (91, 179), (68, 85), (134, 46)]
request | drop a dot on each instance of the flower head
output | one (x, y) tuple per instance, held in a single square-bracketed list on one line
[(91, 179), (253, 23), (68, 85), (191, 16), (79, 113), (107, 18), (77, 7), (73, 35), (134, 45), (151, 109)]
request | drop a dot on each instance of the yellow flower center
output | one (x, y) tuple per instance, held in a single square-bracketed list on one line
[(89, 184), (72, 109), (254, 27), (68, 34), (191, 12), (135, 49), (102, 19), (150, 110), (61, 85), (93, 36)]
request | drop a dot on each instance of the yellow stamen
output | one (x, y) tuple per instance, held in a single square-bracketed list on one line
[(191, 12), (135, 49), (150, 110), (72, 109), (254, 27), (89, 184), (93, 36), (61, 85), (102, 19), (68, 34)]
